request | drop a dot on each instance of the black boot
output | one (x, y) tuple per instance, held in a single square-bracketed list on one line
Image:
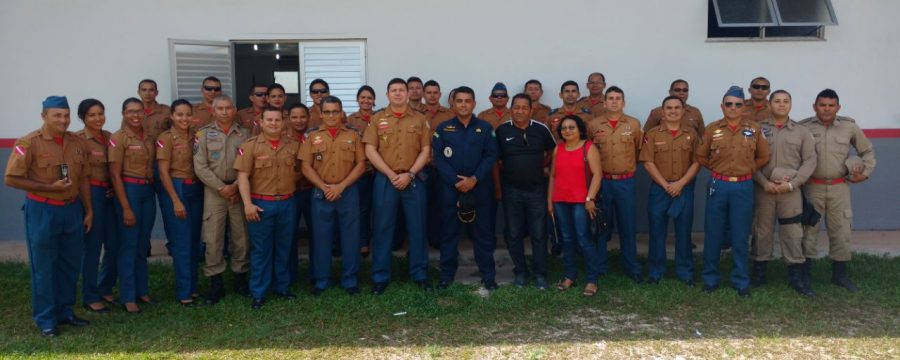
[(216, 290), (758, 274), (839, 276), (795, 280), (240, 284), (807, 274)]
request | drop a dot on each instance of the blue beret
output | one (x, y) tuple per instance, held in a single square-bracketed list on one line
[(56, 102), (499, 87), (735, 91)]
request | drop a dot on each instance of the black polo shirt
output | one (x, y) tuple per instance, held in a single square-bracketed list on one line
[(522, 153)]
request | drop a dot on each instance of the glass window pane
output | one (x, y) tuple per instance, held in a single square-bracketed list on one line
[(805, 12), (744, 13), (288, 79)]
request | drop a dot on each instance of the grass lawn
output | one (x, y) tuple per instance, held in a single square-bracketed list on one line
[(624, 320)]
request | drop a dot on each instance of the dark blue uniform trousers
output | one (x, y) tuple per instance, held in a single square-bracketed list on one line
[(134, 241), (365, 207), (102, 235), (483, 240), (386, 199), (345, 213), (302, 197), (619, 203), (55, 237), (270, 243), (728, 205), (184, 235), (658, 204)]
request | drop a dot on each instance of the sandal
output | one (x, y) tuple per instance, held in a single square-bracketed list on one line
[(590, 289), (565, 284)]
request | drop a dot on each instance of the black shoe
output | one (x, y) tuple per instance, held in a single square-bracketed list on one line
[(839, 276), (216, 290), (102, 310), (425, 285), (653, 280), (257, 304), (744, 293), (636, 278), (795, 280), (287, 295), (758, 273), (354, 290), (521, 280), (726, 245), (490, 284), (51, 332), (74, 321), (318, 291), (240, 285), (444, 284), (709, 289), (688, 283), (379, 288)]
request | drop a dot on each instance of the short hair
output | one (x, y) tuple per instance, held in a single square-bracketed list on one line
[(258, 85), (180, 102), (614, 89), (319, 82), (86, 106), (397, 81), (413, 79), (568, 83), (779, 91), (333, 100), (828, 94), (450, 95), (579, 122), (534, 82), (222, 98), (131, 100), (520, 96), (597, 73), (273, 109), (672, 85), (760, 78), (148, 81), (211, 78), (298, 105), (273, 87), (463, 90), (670, 97), (432, 83), (365, 88)]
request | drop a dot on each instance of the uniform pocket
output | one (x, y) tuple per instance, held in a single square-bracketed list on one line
[(215, 145)]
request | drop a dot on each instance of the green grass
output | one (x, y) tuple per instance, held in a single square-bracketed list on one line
[(623, 320)]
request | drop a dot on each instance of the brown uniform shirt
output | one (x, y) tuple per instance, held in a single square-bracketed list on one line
[(417, 106), (332, 158), (792, 147), (833, 147), (541, 112), (672, 155), (751, 112), (315, 117), (203, 115), (157, 120), (215, 154), (358, 122), (271, 169), (619, 146), (399, 140), (733, 152), (178, 150), (437, 116), (97, 155), (303, 183), (249, 118), (38, 157), (136, 153), (595, 105), (692, 117), (495, 118)]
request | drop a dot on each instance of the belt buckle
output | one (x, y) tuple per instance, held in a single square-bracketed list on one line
[(829, 181), (277, 197), (732, 179)]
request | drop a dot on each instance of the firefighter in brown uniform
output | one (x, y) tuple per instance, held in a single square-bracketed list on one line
[(359, 121), (619, 138), (297, 125), (203, 112), (827, 189), (692, 116), (267, 178), (733, 148), (249, 117), (216, 148), (540, 112), (51, 165), (569, 94), (778, 193), (433, 111), (318, 90), (498, 113), (416, 93), (156, 115), (596, 83), (756, 108)]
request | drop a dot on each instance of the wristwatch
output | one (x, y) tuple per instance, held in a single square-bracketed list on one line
[(412, 175)]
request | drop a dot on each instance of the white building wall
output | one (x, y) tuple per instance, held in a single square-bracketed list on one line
[(103, 48)]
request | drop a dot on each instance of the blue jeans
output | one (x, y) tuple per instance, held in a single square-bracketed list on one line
[(657, 206), (134, 241), (270, 242), (184, 235), (343, 212), (574, 229), (387, 199), (728, 204), (619, 202), (103, 234), (526, 210)]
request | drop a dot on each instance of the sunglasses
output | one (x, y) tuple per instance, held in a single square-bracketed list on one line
[(759, 87), (318, 91), (259, 94), (680, 90), (499, 96), (734, 104), (212, 88)]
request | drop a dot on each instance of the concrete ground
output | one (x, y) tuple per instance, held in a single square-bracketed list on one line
[(882, 243)]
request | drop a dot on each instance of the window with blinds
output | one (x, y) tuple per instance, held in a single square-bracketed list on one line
[(191, 61), (341, 63)]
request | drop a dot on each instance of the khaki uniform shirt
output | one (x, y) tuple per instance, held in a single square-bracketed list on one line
[(157, 120), (203, 115), (792, 147), (692, 117), (136, 153), (833, 147), (303, 183), (249, 118), (38, 157), (541, 112), (315, 117), (437, 116), (332, 158), (594, 105), (491, 116), (672, 155), (178, 150), (271, 169), (417, 106), (733, 153), (358, 122), (619, 147), (751, 112), (215, 154), (399, 140), (97, 155)]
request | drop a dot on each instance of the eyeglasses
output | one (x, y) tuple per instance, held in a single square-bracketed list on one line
[(734, 104), (680, 90), (259, 94), (568, 128), (318, 91), (331, 113), (759, 87), (213, 88), (499, 96)]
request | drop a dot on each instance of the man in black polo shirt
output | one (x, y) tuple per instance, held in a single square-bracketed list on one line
[(525, 146)]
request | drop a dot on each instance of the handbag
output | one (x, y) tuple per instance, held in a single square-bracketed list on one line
[(598, 223)]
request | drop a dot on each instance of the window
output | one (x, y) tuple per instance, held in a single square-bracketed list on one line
[(191, 60), (341, 63), (769, 19)]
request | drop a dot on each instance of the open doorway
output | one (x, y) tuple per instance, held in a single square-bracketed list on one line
[(266, 63)]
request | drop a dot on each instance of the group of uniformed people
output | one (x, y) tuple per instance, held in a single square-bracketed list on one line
[(232, 186)]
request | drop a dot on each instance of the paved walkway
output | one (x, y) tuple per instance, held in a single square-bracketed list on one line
[(883, 243)]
